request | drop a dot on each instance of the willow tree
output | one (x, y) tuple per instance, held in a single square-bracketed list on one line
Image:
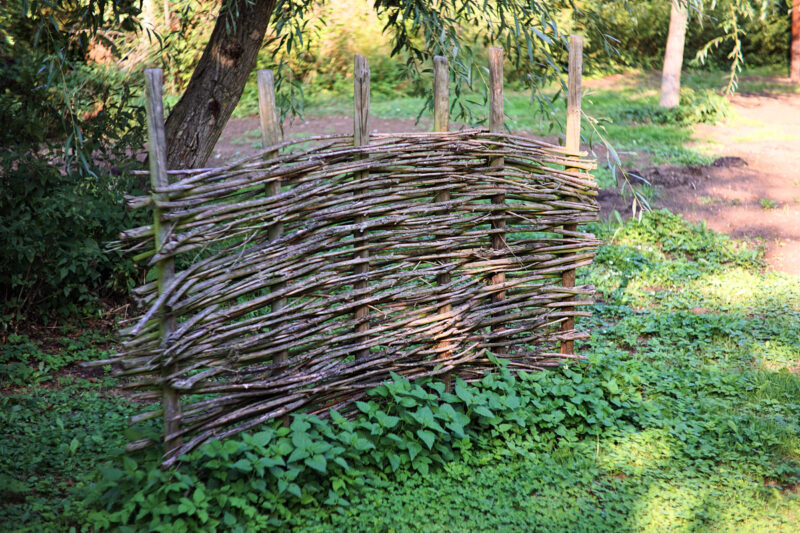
[(527, 29), (197, 120), (673, 55), (729, 20)]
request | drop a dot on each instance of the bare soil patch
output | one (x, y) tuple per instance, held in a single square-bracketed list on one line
[(753, 190)]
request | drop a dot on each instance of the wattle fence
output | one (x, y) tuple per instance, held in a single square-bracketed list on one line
[(303, 276)]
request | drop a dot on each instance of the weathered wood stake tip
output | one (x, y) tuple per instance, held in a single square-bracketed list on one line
[(496, 125), (441, 123), (573, 142), (271, 136)]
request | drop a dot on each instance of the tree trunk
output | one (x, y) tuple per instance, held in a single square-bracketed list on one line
[(197, 120), (673, 56), (794, 68), (167, 17), (148, 26)]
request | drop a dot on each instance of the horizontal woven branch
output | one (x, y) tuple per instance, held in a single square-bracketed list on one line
[(342, 207)]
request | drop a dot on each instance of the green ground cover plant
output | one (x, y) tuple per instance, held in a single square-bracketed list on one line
[(684, 419), (24, 360)]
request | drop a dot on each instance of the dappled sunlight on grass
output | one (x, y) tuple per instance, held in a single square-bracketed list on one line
[(665, 262), (671, 490), (717, 340), (634, 453), (678, 480), (665, 506), (777, 355), (748, 291), (729, 501), (679, 284)]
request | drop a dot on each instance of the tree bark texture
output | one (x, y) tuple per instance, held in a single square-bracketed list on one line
[(794, 67), (673, 57), (197, 120)]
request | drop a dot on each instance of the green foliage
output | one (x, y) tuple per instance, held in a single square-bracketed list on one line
[(52, 94), (259, 481), (49, 440), (53, 231), (686, 418), (69, 129), (24, 361), (767, 203), (696, 242)]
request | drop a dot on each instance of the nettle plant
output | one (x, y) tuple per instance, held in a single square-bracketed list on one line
[(258, 480)]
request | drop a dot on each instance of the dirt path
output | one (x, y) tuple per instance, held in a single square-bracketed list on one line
[(752, 191)]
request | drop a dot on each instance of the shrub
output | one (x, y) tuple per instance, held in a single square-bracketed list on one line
[(70, 128), (703, 106), (53, 231)]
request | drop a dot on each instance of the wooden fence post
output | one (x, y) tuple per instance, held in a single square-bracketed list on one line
[(270, 136), (166, 267), (441, 123), (573, 143), (268, 110), (496, 126), (361, 138), (441, 97)]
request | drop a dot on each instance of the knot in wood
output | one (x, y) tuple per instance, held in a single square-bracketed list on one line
[(230, 51), (213, 108)]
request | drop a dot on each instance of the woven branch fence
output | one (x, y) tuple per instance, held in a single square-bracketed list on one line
[(303, 276)]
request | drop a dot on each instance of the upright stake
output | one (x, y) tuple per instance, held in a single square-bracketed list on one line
[(441, 123), (270, 136), (268, 110), (166, 267), (361, 138), (573, 143), (496, 126), (441, 96)]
